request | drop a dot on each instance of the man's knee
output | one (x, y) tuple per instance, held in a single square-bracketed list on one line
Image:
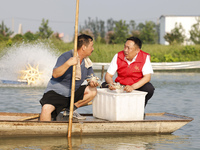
[(94, 92), (48, 108), (91, 91), (148, 87)]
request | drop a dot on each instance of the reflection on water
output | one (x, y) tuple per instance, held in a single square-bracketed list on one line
[(20, 99), (147, 142)]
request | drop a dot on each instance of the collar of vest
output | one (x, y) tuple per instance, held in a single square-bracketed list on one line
[(138, 59)]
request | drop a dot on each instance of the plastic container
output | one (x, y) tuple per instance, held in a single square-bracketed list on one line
[(124, 106)]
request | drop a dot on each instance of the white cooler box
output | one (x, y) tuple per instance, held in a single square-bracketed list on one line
[(114, 106)]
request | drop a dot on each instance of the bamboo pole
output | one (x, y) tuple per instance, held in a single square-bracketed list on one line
[(74, 72), (29, 118), (69, 143)]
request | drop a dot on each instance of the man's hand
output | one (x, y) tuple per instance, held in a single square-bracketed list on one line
[(73, 61), (93, 84), (59, 71), (111, 87), (128, 88)]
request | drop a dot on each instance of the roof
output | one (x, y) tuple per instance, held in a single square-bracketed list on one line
[(179, 16)]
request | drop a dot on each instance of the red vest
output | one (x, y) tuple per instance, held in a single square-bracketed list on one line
[(130, 74)]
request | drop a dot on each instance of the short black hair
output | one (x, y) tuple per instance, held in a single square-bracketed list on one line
[(83, 39), (136, 40)]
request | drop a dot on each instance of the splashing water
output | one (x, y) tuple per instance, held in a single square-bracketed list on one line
[(17, 58)]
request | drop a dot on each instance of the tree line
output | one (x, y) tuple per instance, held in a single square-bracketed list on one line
[(111, 32), (116, 32), (44, 32)]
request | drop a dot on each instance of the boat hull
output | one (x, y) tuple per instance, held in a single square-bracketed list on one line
[(157, 123)]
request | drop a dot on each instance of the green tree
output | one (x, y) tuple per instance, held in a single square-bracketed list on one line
[(30, 36), (44, 30), (110, 24), (110, 37), (177, 35), (118, 31), (133, 30), (135, 33), (132, 26), (96, 26), (5, 32), (18, 37), (195, 32), (121, 31), (147, 32), (102, 29), (87, 31)]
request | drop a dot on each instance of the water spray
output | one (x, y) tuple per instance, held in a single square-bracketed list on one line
[(27, 63)]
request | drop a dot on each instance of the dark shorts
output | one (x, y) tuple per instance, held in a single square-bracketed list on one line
[(59, 101)]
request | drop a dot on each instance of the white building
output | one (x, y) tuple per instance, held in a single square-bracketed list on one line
[(167, 23)]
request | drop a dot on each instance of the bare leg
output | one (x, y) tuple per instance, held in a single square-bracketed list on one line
[(89, 94), (45, 115)]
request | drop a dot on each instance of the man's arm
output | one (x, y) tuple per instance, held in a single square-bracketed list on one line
[(108, 78), (142, 82), (59, 71), (147, 71), (111, 71)]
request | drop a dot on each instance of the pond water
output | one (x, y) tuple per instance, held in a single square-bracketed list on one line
[(176, 93)]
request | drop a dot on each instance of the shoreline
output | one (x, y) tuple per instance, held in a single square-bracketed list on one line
[(162, 66)]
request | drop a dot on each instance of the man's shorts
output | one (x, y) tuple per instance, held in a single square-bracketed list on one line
[(60, 101)]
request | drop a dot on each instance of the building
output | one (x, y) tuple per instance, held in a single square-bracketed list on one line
[(167, 23)]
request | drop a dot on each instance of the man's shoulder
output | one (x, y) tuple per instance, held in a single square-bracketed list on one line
[(67, 54), (121, 55)]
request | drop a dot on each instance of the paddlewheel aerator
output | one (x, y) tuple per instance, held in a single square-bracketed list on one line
[(32, 74)]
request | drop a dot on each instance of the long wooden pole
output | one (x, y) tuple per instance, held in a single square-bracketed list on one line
[(74, 72)]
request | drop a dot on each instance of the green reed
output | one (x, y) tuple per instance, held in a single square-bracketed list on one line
[(105, 52)]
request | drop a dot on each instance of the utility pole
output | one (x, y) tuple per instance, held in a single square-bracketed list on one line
[(13, 24)]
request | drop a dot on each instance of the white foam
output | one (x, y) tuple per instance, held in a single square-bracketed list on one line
[(17, 57)]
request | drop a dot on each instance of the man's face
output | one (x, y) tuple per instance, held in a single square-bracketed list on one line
[(89, 49), (130, 50)]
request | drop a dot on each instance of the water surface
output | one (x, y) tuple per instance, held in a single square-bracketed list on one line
[(175, 93)]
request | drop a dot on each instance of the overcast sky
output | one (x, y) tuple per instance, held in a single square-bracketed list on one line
[(61, 13)]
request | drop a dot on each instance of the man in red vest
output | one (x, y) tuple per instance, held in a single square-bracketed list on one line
[(133, 69)]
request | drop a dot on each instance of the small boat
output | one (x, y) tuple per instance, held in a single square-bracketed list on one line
[(27, 124), (159, 66), (18, 82)]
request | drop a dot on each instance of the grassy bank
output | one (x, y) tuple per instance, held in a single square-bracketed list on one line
[(159, 53), (105, 53)]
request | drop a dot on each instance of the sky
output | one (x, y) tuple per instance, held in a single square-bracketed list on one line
[(61, 13)]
